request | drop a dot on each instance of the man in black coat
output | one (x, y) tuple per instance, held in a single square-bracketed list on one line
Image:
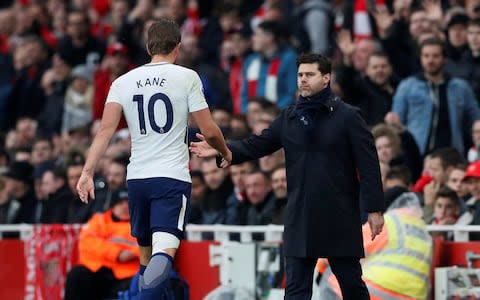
[(331, 163), (59, 197)]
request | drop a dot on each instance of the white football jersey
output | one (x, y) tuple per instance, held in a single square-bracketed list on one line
[(156, 99)]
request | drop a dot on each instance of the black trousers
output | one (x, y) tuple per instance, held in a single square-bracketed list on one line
[(84, 284), (347, 270)]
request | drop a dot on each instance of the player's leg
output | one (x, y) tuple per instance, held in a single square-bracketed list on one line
[(139, 206), (168, 219)]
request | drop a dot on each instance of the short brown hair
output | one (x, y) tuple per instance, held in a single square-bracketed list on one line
[(163, 37), (446, 192), (474, 22), (434, 41), (324, 63), (379, 53)]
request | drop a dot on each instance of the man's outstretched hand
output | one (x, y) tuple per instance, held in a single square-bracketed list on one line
[(375, 220), (203, 149)]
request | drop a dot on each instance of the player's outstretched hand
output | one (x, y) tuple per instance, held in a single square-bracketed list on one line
[(85, 188), (202, 148)]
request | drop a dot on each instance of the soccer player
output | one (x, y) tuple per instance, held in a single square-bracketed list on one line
[(156, 99)]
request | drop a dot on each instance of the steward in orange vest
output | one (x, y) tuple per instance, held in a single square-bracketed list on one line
[(108, 254)]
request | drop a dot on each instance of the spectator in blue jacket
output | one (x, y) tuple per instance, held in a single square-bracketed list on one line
[(436, 109)]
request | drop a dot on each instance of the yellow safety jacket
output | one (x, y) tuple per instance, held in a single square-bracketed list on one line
[(403, 264)]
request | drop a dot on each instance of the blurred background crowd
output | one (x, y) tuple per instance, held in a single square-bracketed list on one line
[(411, 67)]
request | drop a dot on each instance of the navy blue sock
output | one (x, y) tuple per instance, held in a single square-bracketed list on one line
[(140, 279), (142, 269)]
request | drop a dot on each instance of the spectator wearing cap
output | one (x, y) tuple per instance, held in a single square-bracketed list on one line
[(456, 43), (456, 37), (78, 99), (114, 64), (19, 188), (472, 180), (78, 46), (108, 254), (271, 71)]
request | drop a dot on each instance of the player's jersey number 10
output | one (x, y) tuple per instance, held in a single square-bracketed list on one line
[(151, 113)]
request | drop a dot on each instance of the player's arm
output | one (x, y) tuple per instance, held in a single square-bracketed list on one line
[(110, 119), (211, 132)]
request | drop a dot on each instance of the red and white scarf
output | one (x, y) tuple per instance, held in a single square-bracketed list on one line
[(361, 23), (253, 73)]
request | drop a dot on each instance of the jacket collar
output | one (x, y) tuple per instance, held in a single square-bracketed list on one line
[(421, 76), (329, 106)]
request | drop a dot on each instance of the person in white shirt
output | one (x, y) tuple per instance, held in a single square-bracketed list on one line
[(156, 99)]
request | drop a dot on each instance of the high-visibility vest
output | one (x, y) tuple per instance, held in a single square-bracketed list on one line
[(403, 266)]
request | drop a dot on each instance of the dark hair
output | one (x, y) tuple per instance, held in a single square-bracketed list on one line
[(121, 158), (163, 36), (474, 22), (448, 156), (272, 27), (324, 63), (264, 103), (258, 171), (43, 138), (434, 41), (400, 172), (74, 157), (379, 53), (23, 149), (460, 166), (34, 39), (58, 173), (446, 192), (84, 14), (198, 174), (415, 8)]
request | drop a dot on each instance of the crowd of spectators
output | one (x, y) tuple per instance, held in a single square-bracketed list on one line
[(411, 67)]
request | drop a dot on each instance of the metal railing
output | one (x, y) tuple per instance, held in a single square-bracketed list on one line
[(272, 233)]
